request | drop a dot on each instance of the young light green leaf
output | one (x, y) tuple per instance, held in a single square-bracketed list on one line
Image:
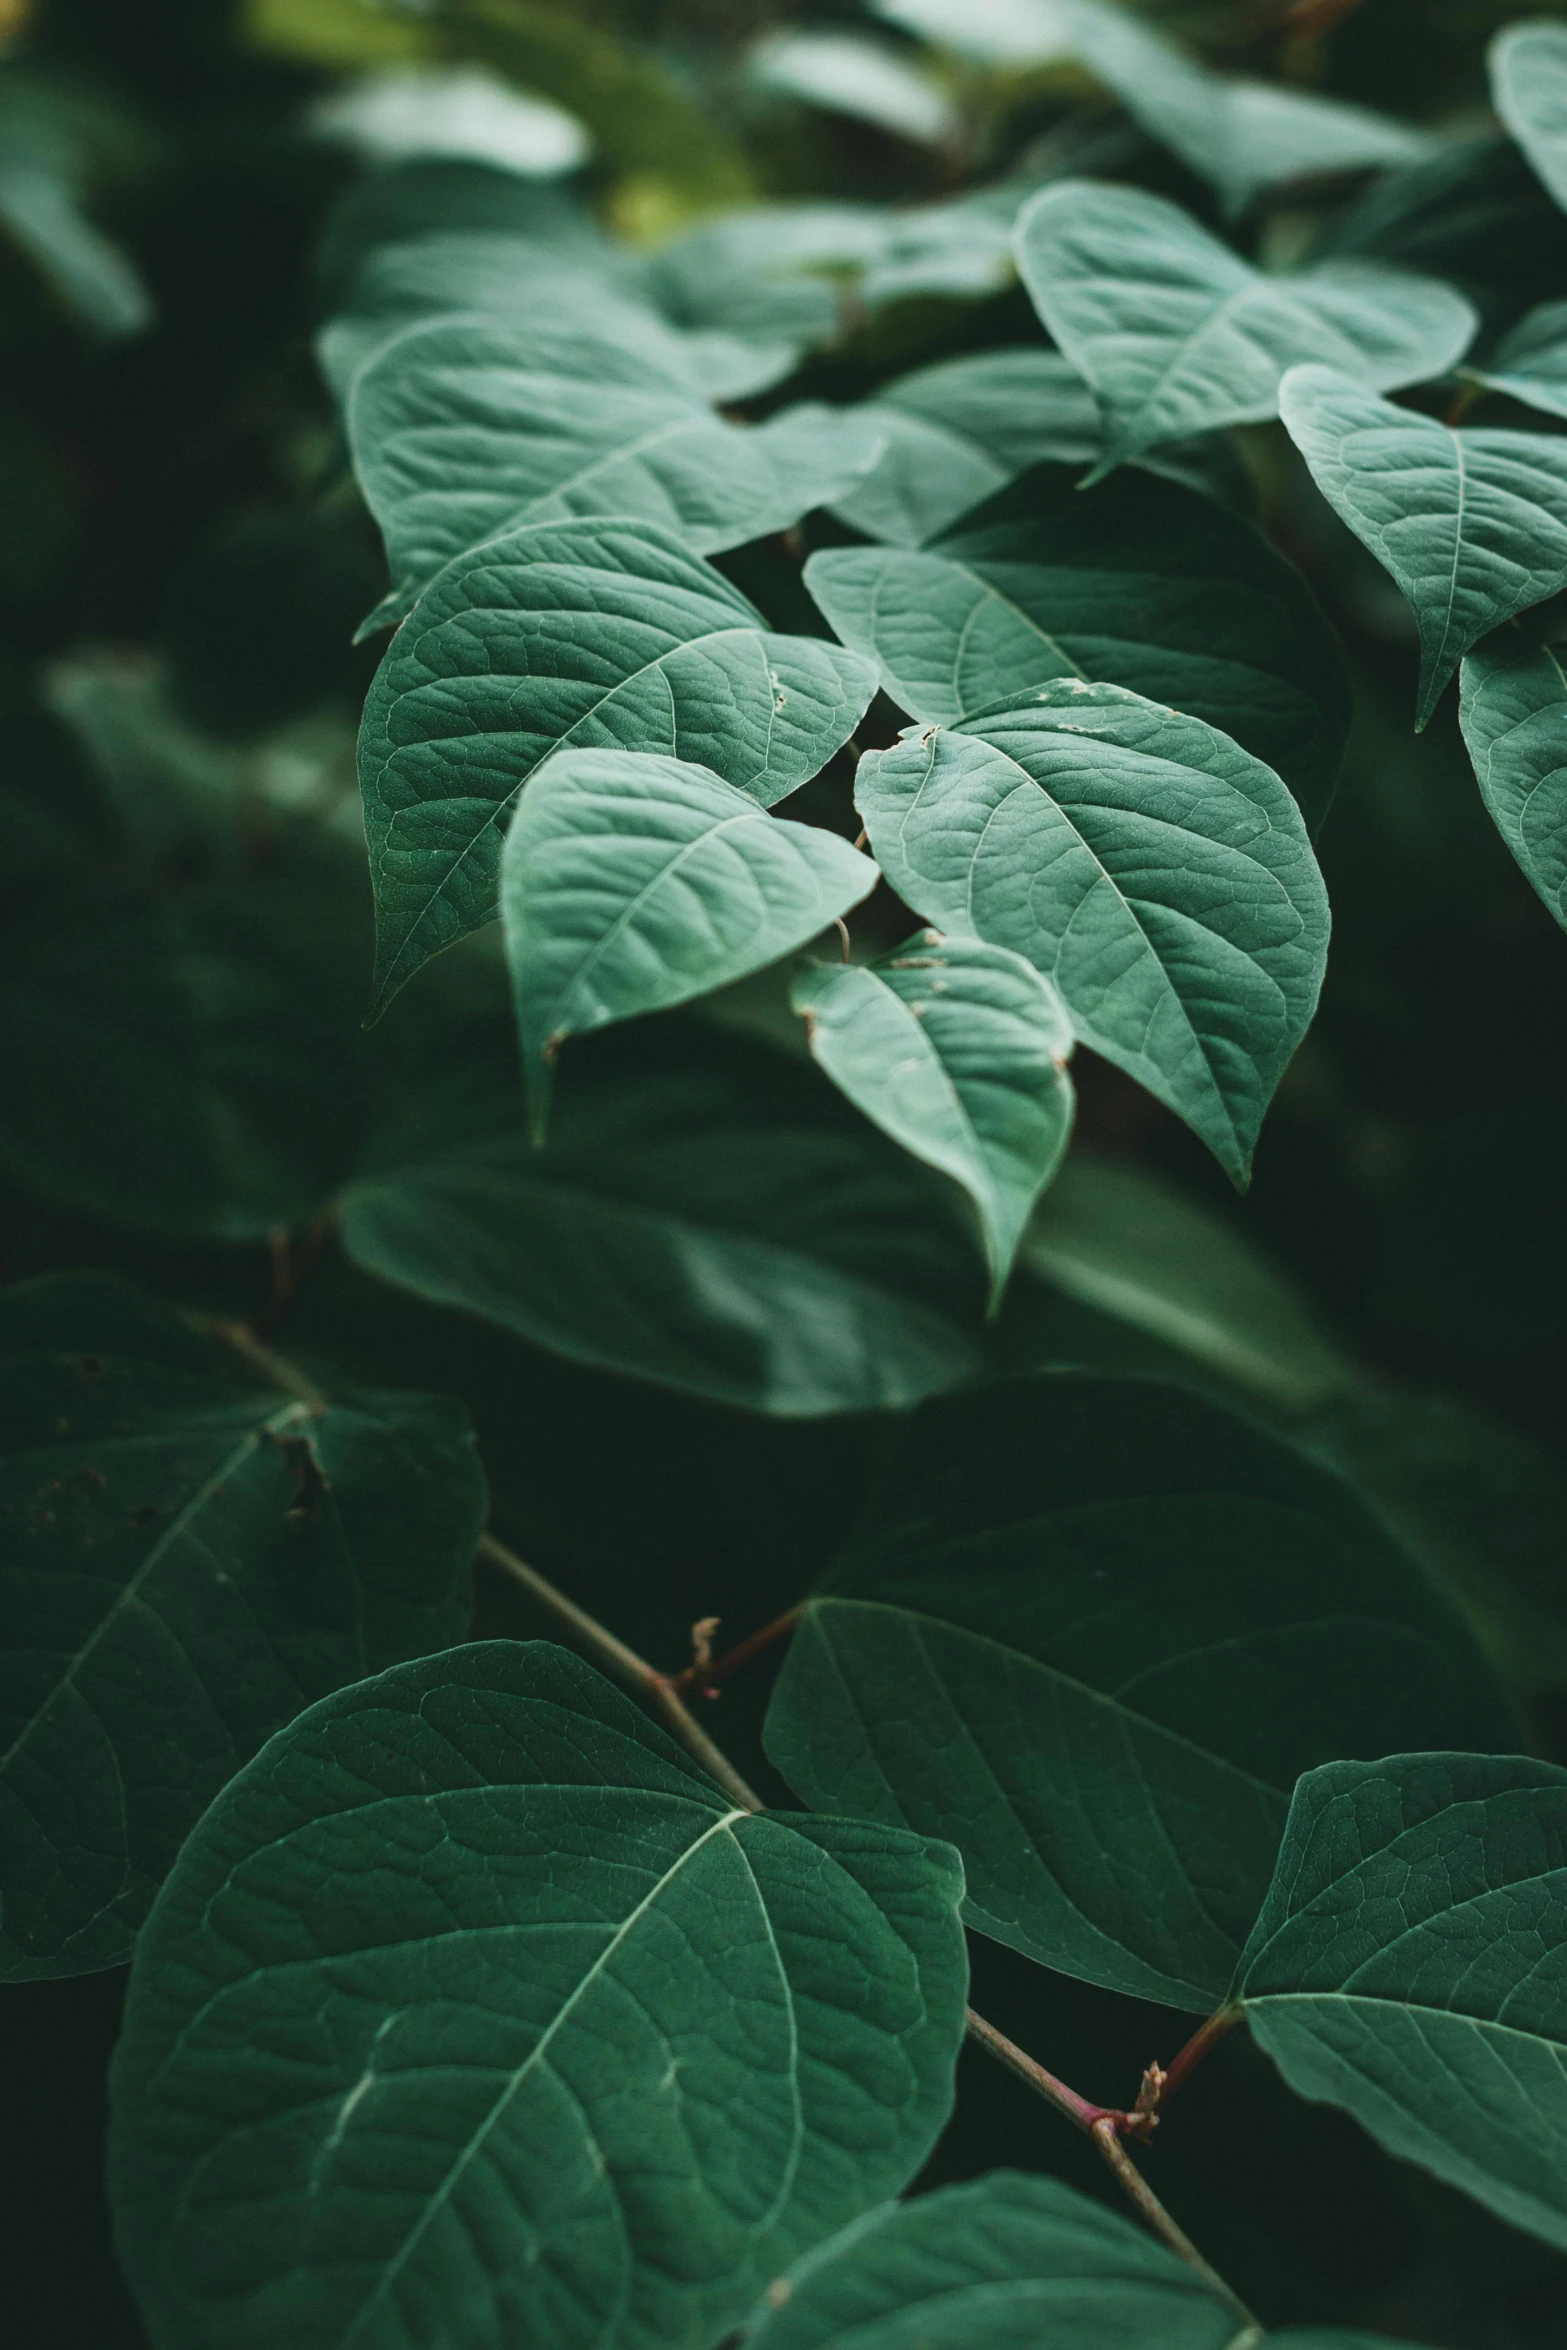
[(1513, 711), (1176, 334), (456, 437), (1471, 524), (1139, 582), (710, 1217), (958, 1050), (957, 432), (449, 110), (1091, 1631), (191, 1559), (1117, 1239), (1530, 364), (1409, 1964), (1159, 874), (848, 74), (478, 1999), (1528, 65), (570, 635), (632, 883)]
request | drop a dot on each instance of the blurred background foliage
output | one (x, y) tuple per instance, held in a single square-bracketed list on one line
[(183, 562)]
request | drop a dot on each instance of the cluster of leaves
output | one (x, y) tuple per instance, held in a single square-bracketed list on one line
[(466, 2003)]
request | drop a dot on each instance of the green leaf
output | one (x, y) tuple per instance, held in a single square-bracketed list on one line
[(957, 432), (188, 1060), (1091, 1631), (1114, 1238), (957, 1050), (1472, 212), (1471, 524), (190, 1559), (1176, 334), (1528, 65), (848, 74), (1140, 582), (1007, 2262), (1530, 364), (708, 1217), (1159, 874), (581, 635), (457, 437), (630, 884), (1409, 1965), (477, 2011), (446, 110), (1513, 711)]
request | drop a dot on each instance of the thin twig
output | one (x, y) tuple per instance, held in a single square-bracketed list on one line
[(1106, 2137), (643, 1679), (283, 1374), (1186, 2060), (1028, 2070), (705, 1679)]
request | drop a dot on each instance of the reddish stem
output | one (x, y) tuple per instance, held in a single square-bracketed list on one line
[(705, 1680), (1186, 2061)]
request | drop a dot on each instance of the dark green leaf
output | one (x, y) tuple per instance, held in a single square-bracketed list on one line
[(630, 884), (1471, 524), (1513, 710), (1159, 874), (1410, 1964), (957, 1050), (582, 635), (1530, 364), (189, 1561), (1177, 334), (711, 1218), (457, 437), (1140, 582), (477, 2013), (1091, 1631)]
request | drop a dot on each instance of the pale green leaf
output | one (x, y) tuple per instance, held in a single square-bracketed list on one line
[(478, 2013), (1176, 334), (1159, 874), (957, 432), (632, 883), (1513, 711), (1140, 582), (191, 1558), (1530, 364), (848, 74), (1114, 1238), (1410, 1964), (457, 436), (1471, 524), (957, 1050), (583, 635), (1091, 1631), (705, 1215), (451, 110), (1529, 89)]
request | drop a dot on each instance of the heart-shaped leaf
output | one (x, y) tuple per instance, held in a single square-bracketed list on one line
[(1530, 364), (1007, 2262), (630, 884), (570, 635), (456, 437), (1409, 1964), (191, 1558), (479, 2002), (1529, 89), (956, 432), (957, 1050), (1513, 711), (1471, 524), (1091, 1631), (1159, 874), (705, 1215), (1177, 334), (1140, 582)]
